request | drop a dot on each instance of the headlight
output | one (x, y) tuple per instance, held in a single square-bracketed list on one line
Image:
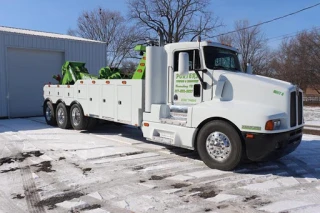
[(273, 124)]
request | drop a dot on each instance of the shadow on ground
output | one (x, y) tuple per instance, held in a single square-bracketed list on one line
[(293, 165)]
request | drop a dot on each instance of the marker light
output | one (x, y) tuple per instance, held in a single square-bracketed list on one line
[(269, 125), (249, 136), (273, 124)]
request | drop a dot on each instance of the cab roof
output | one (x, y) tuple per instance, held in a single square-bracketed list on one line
[(195, 44)]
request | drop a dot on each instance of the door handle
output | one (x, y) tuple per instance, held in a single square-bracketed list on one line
[(119, 102)]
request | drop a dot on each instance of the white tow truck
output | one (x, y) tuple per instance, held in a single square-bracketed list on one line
[(194, 96)]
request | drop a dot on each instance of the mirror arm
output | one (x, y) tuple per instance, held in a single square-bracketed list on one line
[(202, 70), (203, 84)]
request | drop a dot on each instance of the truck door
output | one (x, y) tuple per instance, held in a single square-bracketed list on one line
[(187, 89)]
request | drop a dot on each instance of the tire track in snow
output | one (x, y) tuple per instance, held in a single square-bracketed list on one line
[(31, 195)]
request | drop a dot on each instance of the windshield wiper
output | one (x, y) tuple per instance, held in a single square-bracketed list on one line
[(232, 68), (225, 68), (219, 67)]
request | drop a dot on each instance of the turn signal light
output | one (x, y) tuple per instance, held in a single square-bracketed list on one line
[(107, 82), (269, 125), (124, 82), (249, 136), (146, 124)]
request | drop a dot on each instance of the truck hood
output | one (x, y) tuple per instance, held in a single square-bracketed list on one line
[(254, 89), (258, 79)]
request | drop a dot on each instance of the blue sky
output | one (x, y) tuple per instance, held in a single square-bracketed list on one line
[(60, 15)]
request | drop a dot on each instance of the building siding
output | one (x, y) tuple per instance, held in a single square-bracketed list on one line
[(92, 53)]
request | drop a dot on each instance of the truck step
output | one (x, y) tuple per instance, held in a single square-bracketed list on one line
[(178, 109), (179, 119), (162, 140)]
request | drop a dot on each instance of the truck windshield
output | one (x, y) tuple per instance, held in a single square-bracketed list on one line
[(219, 58)]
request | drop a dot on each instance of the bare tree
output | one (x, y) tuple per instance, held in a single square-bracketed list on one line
[(298, 60), (177, 19), (226, 39), (110, 27), (128, 68), (252, 46)]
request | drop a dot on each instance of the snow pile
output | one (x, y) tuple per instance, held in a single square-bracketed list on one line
[(311, 115)]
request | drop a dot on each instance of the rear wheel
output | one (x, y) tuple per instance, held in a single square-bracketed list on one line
[(77, 118), (62, 116), (219, 145), (49, 113)]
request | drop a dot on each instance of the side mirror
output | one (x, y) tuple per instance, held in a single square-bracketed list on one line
[(249, 68), (183, 68)]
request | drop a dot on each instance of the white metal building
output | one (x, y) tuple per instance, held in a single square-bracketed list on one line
[(29, 59)]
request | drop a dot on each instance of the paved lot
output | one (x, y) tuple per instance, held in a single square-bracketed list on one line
[(112, 169)]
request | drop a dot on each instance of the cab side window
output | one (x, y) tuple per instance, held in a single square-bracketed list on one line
[(194, 59)]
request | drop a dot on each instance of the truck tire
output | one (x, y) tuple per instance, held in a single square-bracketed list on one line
[(49, 113), (219, 145), (77, 118), (62, 116)]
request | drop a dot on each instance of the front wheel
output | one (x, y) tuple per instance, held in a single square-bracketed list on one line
[(219, 145)]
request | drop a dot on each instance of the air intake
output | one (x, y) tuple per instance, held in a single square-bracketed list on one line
[(293, 109)]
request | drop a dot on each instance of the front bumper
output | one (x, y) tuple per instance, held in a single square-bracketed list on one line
[(271, 146)]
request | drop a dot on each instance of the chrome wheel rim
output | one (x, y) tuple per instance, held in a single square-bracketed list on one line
[(48, 113), (61, 116), (75, 116), (218, 146)]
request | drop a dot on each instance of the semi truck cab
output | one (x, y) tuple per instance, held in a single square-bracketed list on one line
[(195, 96)]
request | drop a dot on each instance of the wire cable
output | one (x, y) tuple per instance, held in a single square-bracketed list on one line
[(289, 35), (272, 20)]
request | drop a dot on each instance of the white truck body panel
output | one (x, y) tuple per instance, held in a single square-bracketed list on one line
[(115, 100)]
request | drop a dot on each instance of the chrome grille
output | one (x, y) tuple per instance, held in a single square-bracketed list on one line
[(300, 110), (293, 109), (296, 108)]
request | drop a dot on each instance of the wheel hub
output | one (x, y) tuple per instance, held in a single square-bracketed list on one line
[(61, 116), (75, 116), (218, 146), (48, 113)]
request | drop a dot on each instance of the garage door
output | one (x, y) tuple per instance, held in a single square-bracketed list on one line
[(28, 71)]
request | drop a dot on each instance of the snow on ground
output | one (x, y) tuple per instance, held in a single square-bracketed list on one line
[(113, 169), (311, 115)]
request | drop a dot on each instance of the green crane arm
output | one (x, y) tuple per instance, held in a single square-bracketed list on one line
[(140, 71)]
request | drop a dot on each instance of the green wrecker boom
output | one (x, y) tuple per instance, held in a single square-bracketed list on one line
[(140, 71), (74, 70)]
